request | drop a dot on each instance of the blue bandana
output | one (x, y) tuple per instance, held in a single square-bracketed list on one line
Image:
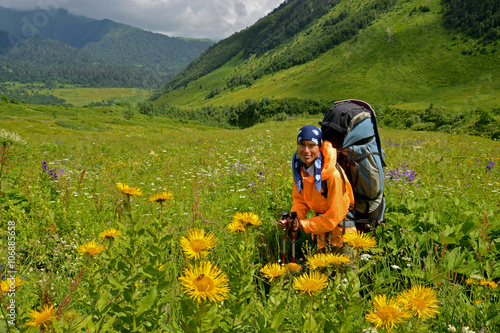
[(311, 133)]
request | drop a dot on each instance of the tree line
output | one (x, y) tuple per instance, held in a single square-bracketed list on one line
[(478, 19), (241, 115)]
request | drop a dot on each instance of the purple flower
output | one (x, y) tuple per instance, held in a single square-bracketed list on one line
[(490, 166)]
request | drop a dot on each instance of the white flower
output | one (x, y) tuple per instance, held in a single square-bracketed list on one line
[(365, 256), (395, 267), (370, 330), (451, 328)]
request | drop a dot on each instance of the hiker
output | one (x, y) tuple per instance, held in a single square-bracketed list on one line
[(319, 185)]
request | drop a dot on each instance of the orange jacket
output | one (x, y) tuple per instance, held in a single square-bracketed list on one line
[(329, 211)]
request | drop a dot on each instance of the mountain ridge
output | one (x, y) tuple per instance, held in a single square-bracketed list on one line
[(117, 45), (404, 54)]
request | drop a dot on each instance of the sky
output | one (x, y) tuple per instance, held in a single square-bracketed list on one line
[(214, 19)]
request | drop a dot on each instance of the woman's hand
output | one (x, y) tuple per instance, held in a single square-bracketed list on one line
[(288, 223)]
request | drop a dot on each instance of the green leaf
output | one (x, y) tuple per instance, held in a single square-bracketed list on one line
[(153, 235), (166, 239), (278, 319), (115, 283), (147, 301)]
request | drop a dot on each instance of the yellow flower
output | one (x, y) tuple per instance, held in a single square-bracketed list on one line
[(317, 261), (129, 190), (471, 281), (110, 234), (247, 219), (337, 259), (271, 271), (293, 267), (387, 313), (420, 301), (92, 249), (490, 284), (161, 197), (6, 284), (43, 318), (360, 241), (311, 283), (197, 244), (235, 226), (205, 282)]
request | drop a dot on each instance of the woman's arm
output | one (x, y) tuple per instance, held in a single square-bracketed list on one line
[(340, 199)]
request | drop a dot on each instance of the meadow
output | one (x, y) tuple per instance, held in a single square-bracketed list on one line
[(138, 224)]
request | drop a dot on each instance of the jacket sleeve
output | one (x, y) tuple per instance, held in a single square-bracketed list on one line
[(340, 199), (299, 204)]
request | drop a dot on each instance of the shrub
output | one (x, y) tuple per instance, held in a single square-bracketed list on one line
[(423, 127)]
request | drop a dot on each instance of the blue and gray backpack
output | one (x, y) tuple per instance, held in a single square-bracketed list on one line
[(351, 127)]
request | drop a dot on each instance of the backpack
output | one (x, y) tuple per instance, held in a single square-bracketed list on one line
[(351, 127)]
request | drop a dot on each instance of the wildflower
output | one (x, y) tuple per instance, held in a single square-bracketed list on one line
[(129, 190), (337, 259), (42, 318), (110, 234), (490, 284), (247, 219), (197, 244), (92, 249), (6, 285), (395, 267), (365, 257), (205, 281), (451, 328), (271, 271), (161, 197), (293, 267), (370, 330), (311, 283), (387, 313), (360, 241), (317, 261), (236, 226), (490, 166), (420, 301)]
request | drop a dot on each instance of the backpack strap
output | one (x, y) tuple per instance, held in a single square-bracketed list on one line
[(324, 185), (339, 169)]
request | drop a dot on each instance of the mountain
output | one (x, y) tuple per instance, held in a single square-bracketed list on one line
[(113, 46), (388, 52)]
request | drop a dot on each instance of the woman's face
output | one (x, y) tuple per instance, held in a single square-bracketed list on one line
[(308, 151)]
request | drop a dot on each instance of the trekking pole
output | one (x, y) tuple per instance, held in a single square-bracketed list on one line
[(293, 215), (284, 215)]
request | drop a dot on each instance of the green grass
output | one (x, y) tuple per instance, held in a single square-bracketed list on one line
[(442, 226), (84, 96)]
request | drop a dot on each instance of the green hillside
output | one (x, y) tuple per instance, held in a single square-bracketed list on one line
[(90, 53), (391, 53)]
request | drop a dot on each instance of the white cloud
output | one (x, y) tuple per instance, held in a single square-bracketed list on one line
[(215, 19)]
